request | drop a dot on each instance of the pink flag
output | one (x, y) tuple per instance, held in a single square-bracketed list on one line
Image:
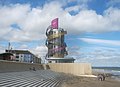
[(54, 23)]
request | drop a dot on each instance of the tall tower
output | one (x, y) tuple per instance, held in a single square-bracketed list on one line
[(55, 40), (55, 43)]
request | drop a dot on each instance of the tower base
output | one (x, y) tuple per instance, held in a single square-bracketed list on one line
[(60, 60)]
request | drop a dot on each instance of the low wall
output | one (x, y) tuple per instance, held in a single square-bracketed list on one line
[(71, 68), (9, 66)]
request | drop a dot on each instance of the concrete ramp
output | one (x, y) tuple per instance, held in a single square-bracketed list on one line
[(39, 78)]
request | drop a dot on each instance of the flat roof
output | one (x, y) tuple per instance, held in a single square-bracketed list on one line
[(52, 58)]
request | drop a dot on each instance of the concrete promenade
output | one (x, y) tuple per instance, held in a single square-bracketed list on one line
[(16, 74)]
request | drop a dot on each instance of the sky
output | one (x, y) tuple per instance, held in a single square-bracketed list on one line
[(93, 28)]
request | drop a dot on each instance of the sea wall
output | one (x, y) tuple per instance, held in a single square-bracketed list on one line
[(10, 66), (71, 68)]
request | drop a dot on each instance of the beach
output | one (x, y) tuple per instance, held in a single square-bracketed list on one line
[(75, 81)]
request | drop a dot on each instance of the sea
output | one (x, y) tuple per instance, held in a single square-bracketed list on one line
[(114, 71)]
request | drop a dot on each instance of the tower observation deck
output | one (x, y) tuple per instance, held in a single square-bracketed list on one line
[(55, 43)]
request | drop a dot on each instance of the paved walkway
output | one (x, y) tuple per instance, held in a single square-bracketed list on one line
[(39, 78)]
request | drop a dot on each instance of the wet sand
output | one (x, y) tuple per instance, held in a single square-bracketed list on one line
[(74, 81)]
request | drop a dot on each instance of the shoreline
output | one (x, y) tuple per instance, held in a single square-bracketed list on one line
[(90, 82), (85, 81), (107, 73)]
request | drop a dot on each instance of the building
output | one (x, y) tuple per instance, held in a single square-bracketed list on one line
[(6, 56), (24, 56), (56, 44)]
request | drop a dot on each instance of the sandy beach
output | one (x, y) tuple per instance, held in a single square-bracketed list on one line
[(75, 81)]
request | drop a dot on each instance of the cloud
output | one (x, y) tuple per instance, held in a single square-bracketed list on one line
[(2, 48), (75, 8), (41, 51), (74, 51), (99, 56), (90, 21), (33, 22), (23, 47), (101, 41), (78, 4), (113, 3)]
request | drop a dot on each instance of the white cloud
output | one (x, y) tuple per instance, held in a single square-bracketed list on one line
[(34, 21), (2, 49), (90, 21), (24, 47), (75, 8), (80, 5), (101, 41), (41, 51), (99, 56)]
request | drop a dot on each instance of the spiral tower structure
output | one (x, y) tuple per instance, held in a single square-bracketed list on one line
[(55, 42)]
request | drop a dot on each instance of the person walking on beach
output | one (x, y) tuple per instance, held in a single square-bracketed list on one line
[(101, 77)]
